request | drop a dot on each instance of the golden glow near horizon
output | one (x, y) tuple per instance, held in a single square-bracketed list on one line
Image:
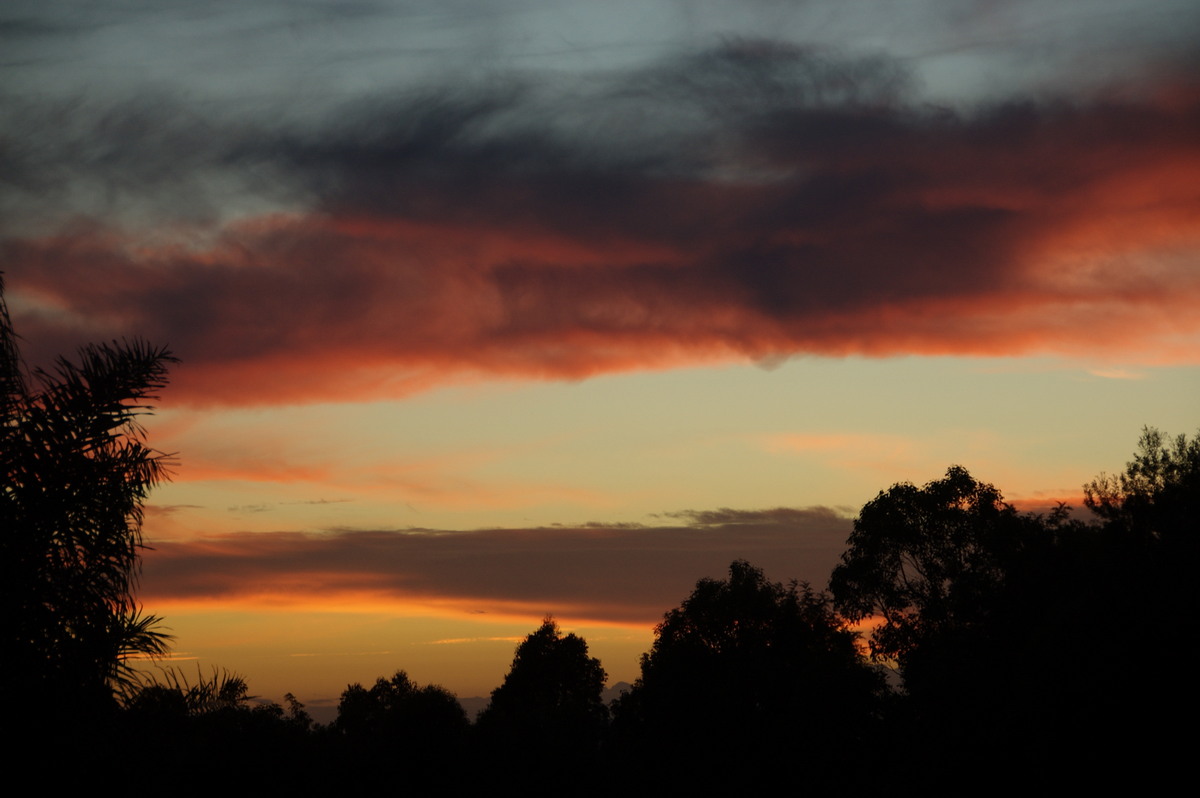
[(478, 332), (553, 458)]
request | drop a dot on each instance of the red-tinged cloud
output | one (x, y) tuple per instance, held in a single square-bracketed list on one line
[(767, 203), (618, 574)]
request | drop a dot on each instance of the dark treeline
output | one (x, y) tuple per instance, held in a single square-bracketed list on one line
[(1006, 649), (1024, 649)]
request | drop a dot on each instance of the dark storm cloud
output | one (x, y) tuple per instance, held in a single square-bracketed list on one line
[(754, 200), (623, 573)]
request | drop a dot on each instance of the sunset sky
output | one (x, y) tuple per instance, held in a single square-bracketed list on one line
[(489, 310)]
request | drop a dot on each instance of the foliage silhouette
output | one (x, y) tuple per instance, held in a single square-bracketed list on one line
[(958, 580), (397, 725), (174, 693), (76, 474), (399, 712), (995, 618), (1147, 554), (929, 560), (1157, 497), (550, 701), (749, 677), (214, 719)]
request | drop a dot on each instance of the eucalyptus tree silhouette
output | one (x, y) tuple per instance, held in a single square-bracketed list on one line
[(1141, 590), (1157, 496), (929, 560), (748, 679), (996, 618), (76, 473)]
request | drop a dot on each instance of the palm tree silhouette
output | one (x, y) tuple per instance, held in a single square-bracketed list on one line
[(76, 471)]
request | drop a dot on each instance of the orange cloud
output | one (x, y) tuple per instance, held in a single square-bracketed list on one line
[(440, 244)]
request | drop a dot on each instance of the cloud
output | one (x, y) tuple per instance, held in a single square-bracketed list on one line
[(619, 573), (1117, 374), (753, 201), (728, 517)]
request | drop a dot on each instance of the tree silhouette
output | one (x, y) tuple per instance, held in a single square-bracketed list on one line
[(1140, 591), (550, 701), (748, 678), (399, 713), (76, 474), (397, 725), (997, 619), (1157, 497), (929, 560), (960, 582)]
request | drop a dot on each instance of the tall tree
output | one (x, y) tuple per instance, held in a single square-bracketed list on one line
[(550, 702), (76, 471)]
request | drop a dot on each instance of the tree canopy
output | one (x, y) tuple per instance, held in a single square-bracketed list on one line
[(743, 625), (1157, 496), (551, 699), (995, 617), (396, 725), (399, 712), (928, 560), (552, 680), (751, 671)]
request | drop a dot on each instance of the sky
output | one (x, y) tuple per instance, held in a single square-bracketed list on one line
[(492, 310)]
